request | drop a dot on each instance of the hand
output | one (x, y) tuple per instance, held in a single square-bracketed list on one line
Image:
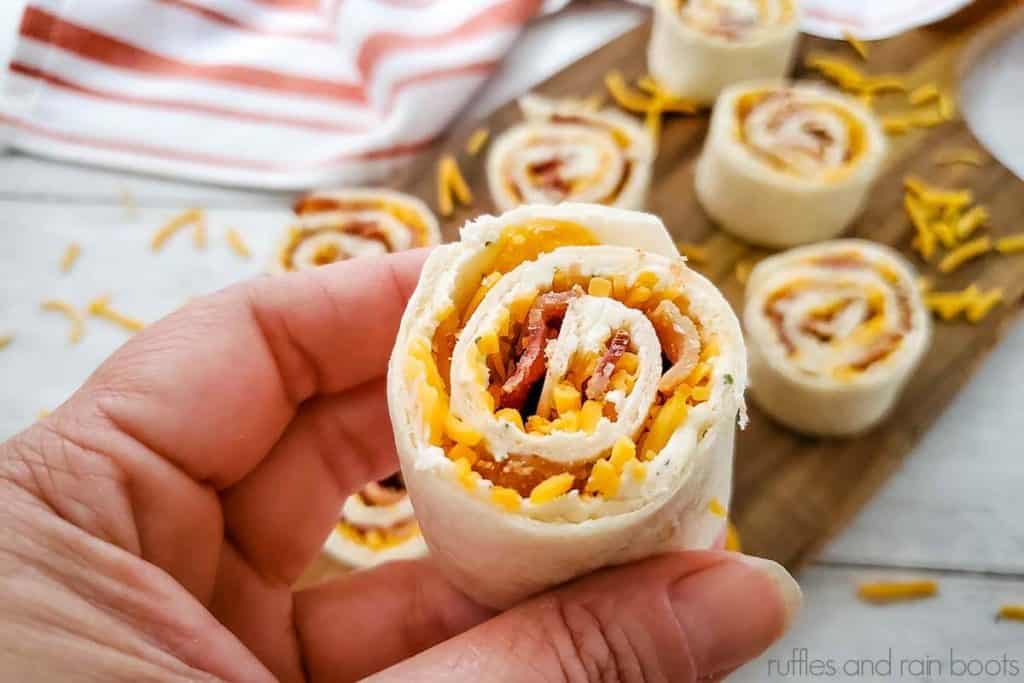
[(152, 527)]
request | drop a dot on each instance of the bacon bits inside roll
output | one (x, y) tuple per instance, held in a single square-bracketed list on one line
[(343, 224), (376, 525), (788, 164), (835, 330), (699, 47), (564, 392), (565, 151)]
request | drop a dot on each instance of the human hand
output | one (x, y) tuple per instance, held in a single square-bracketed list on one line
[(153, 525)]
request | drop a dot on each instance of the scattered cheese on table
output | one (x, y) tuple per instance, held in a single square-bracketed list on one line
[(964, 253), (1011, 612), (476, 141), (451, 184), (237, 243), (72, 314), (67, 260), (949, 157), (896, 591), (857, 44), (100, 307), (176, 223)]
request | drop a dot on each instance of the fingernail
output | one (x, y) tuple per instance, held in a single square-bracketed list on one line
[(733, 610), (788, 589)]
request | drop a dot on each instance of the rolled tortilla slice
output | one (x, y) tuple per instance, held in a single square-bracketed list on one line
[(567, 151), (376, 525), (342, 224), (835, 330), (699, 47), (539, 435), (788, 164)]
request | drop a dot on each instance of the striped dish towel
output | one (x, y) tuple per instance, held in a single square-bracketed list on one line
[(280, 94)]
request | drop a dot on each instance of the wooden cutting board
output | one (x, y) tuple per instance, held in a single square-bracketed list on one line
[(793, 493)]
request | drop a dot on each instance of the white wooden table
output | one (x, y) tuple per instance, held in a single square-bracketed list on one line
[(955, 512)]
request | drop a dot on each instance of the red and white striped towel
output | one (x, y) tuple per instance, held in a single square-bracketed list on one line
[(268, 93)]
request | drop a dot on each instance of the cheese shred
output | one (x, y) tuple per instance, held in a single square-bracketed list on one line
[(1011, 244), (694, 253), (168, 230), (964, 253), (897, 591), (72, 314), (199, 233), (237, 243), (857, 44), (71, 254), (973, 303), (5, 340), (451, 186), (1011, 612), (476, 141), (100, 307)]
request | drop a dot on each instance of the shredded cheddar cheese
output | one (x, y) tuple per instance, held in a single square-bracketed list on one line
[(732, 538), (894, 124), (590, 416), (604, 479), (551, 488), (716, 508), (511, 415), (73, 315), (476, 141), (451, 186), (981, 305), (623, 451), (1011, 612), (458, 431), (505, 498), (67, 260), (964, 253), (947, 108), (742, 270), (972, 302), (100, 307), (969, 222), (1011, 244), (176, 223), (5, 341), (922, 94), (858, 45), (694, 253), (896, 591), (237, 243)]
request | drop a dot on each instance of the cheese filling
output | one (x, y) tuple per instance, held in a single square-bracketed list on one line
[(332, 229), (840, 315), (734, 20), (575, 157), (380, 516), (796, 133), (563, 359)]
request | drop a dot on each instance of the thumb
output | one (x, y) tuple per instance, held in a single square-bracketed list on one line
[(679, 617)]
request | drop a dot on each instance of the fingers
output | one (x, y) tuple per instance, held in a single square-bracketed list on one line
[(679, 617), (194, 404), (279, 514), (370, 620), (213, 387)]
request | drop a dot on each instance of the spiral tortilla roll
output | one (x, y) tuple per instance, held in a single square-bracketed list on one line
[(699, 47), (835, 330), (539, 433), (342, 224), (788, 164), (376, 525), (566, 151)]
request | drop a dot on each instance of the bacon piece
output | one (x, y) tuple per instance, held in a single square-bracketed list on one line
[(384, 492), (679, 340), (547, 309), (597, 385), (549, 174)]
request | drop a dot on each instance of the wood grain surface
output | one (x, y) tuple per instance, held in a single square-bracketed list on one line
[(793, 493)]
